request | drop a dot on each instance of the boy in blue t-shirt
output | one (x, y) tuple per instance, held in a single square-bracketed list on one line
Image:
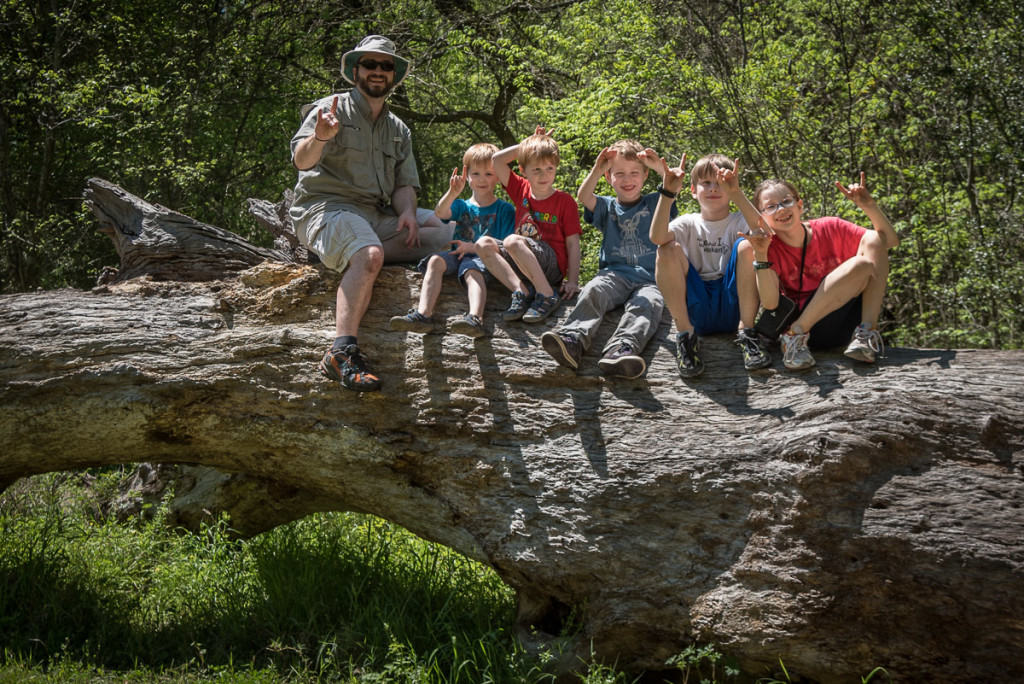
[(483, 215), (627, 263)]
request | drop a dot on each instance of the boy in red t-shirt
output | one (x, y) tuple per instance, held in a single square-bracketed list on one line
[(544, 252)]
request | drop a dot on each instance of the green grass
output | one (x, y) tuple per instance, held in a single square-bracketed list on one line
[(334, 597), (331, 598)]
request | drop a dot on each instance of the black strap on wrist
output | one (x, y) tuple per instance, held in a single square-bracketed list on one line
[(666, 193)]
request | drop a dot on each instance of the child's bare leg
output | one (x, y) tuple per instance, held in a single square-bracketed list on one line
[(476, 289), (670, 273), (871, 247), (519, 249), (840, 286), (487, 250), (431, 287), (746, 285)]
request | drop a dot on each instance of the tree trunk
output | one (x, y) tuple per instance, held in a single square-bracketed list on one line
[(842, 518)]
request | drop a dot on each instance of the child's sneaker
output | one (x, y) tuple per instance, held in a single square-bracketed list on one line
[(563, 348), (688, 354), (413, 321), (469, 325), (865, 344), (347, 366), (795, 353), (755, 355), (520, 305), (541, 308), (623, 362)]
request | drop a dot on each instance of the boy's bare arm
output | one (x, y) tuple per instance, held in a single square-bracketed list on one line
[(673, 180), (571, 285), (585, 195), (859, 195), (456, 184), (728, 180), (502, 161)]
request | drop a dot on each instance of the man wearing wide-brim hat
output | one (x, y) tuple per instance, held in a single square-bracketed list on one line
[(355, 202)]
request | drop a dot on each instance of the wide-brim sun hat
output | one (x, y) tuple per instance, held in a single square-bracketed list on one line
[(373, 44)]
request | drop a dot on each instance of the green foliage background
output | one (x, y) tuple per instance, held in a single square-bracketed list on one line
[(191, 105)]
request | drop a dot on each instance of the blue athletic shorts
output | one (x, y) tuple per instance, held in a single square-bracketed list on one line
[(713, 305)]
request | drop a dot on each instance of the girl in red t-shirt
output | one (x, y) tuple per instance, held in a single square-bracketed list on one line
[(825, 265)]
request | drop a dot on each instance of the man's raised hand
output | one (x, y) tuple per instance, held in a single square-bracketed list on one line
[(327, 122)]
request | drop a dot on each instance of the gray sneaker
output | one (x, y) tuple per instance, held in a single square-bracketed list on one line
[(413, 321), (866, 343), (795, 353)]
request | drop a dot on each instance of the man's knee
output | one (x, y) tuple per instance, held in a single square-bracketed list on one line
[(369, 260)]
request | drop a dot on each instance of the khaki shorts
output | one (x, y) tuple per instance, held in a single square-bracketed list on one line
[(338, 234)]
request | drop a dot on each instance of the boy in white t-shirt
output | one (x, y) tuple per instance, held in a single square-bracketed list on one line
[(696, 266)]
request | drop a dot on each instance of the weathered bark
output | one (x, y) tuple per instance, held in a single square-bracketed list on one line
[(842, 518)]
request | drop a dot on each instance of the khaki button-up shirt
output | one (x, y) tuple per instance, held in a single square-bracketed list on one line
[(361, 167)]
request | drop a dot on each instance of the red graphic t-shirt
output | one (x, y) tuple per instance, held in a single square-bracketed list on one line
[(835, 240), (557, 217)]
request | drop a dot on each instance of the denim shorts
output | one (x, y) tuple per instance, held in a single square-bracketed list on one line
[(455, 265)]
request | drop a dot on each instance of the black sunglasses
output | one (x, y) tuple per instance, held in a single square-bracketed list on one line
[(371, 64)]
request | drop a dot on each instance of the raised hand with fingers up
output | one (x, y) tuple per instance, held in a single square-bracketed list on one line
[(327, 122), (674, 178), (859, 195), (457, 182)]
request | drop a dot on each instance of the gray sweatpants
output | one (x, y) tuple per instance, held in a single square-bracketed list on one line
[(642, 302)]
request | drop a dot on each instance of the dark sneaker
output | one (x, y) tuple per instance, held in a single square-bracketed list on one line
[(520, 305), (688, 355), (795, 353), (623, 362), (755, 355), (413, 321), (563, 348), (470, 325), (347, 366), (541, 308), (866, 343)]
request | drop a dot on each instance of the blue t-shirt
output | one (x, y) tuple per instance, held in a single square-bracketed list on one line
[(473, 222), (626, 248)]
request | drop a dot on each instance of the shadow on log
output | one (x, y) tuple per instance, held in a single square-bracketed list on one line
[(842, 518)]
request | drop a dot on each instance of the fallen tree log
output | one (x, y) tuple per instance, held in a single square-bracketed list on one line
[(843, 518)]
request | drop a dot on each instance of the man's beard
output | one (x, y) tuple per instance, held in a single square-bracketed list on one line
[(374, 90)]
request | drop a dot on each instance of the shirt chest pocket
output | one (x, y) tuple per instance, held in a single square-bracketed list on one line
[(391, 159)]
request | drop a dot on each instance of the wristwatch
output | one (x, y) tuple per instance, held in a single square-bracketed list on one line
[(761, 265)]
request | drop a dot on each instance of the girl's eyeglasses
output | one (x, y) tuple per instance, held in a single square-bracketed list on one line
[(784, 204)]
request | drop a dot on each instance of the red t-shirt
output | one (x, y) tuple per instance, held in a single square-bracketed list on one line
[(557, 217), (834, 241)]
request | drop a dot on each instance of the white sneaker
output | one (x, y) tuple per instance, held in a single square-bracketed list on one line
[(795, 353), (865, 344)]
